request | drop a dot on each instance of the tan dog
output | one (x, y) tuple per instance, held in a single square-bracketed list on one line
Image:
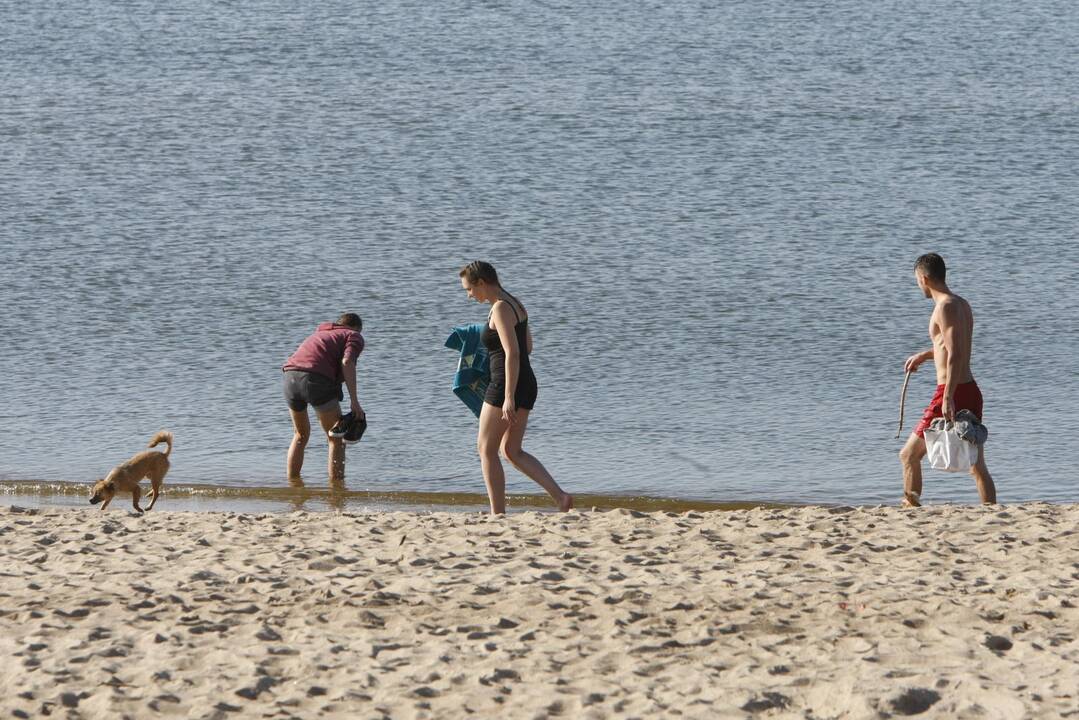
[(126, 476)]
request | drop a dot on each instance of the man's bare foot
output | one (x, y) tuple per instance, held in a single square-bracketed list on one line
[(911, 500), (566, 504)]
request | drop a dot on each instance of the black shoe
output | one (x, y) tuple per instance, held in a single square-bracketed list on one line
[(341, 426), (355, 431), (349, 428)]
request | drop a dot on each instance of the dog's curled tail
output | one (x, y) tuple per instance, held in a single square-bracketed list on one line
[(162, 437)]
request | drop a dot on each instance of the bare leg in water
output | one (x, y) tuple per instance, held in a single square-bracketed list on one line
[(301, 434), (335, 456), (301, 425)]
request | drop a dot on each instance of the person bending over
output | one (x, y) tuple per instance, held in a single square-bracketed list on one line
[(313, 376)]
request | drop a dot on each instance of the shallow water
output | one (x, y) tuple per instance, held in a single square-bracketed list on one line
[(247, 498), (710, 211)]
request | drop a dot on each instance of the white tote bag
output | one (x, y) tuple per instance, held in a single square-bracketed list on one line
[(946, 450)]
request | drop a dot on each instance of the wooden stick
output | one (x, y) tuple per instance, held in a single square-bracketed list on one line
[(902, 403)]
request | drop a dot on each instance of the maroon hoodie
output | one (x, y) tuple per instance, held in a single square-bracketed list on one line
[(325, 350)]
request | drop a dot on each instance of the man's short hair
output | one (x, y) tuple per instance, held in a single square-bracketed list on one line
[(352, 320), (932, 266)]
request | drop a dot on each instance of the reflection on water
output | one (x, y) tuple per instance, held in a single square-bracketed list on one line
[(335, 496)]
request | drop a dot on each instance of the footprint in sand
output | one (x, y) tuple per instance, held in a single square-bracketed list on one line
[(913, 701), (998, 644)]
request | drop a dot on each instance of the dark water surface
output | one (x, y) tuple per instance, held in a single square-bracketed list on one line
[(711, 211)]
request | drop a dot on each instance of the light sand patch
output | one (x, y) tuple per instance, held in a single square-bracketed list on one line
[(944, 612)]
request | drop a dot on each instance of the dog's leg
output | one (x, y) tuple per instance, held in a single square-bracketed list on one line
[(155, 490), (135, 493), (105, 504)]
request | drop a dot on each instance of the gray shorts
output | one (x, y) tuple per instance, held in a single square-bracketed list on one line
[(302, 388)]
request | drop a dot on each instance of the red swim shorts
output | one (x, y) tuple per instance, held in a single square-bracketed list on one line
[(967, 397)]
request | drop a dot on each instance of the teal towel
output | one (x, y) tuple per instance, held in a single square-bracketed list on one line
[(473, 371)]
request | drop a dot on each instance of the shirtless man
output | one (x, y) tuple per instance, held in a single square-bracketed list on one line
[(951, 328)]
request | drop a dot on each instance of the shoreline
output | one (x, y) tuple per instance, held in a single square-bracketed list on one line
[(944, 611), (315, 498)]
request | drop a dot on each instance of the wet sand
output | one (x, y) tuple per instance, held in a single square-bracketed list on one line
[(957, 612)]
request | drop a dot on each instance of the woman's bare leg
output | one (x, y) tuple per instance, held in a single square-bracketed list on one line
[(335, 467), (529, 464), (301, 426), (488, 440)]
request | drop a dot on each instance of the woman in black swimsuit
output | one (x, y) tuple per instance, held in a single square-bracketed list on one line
[(512, 392)]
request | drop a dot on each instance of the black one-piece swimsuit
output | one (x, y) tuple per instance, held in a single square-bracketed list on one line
[(527, 389)]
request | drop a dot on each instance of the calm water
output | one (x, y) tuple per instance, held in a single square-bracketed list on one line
[(710, 209)]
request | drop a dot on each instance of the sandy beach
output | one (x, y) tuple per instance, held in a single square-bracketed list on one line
[(956, 612)]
